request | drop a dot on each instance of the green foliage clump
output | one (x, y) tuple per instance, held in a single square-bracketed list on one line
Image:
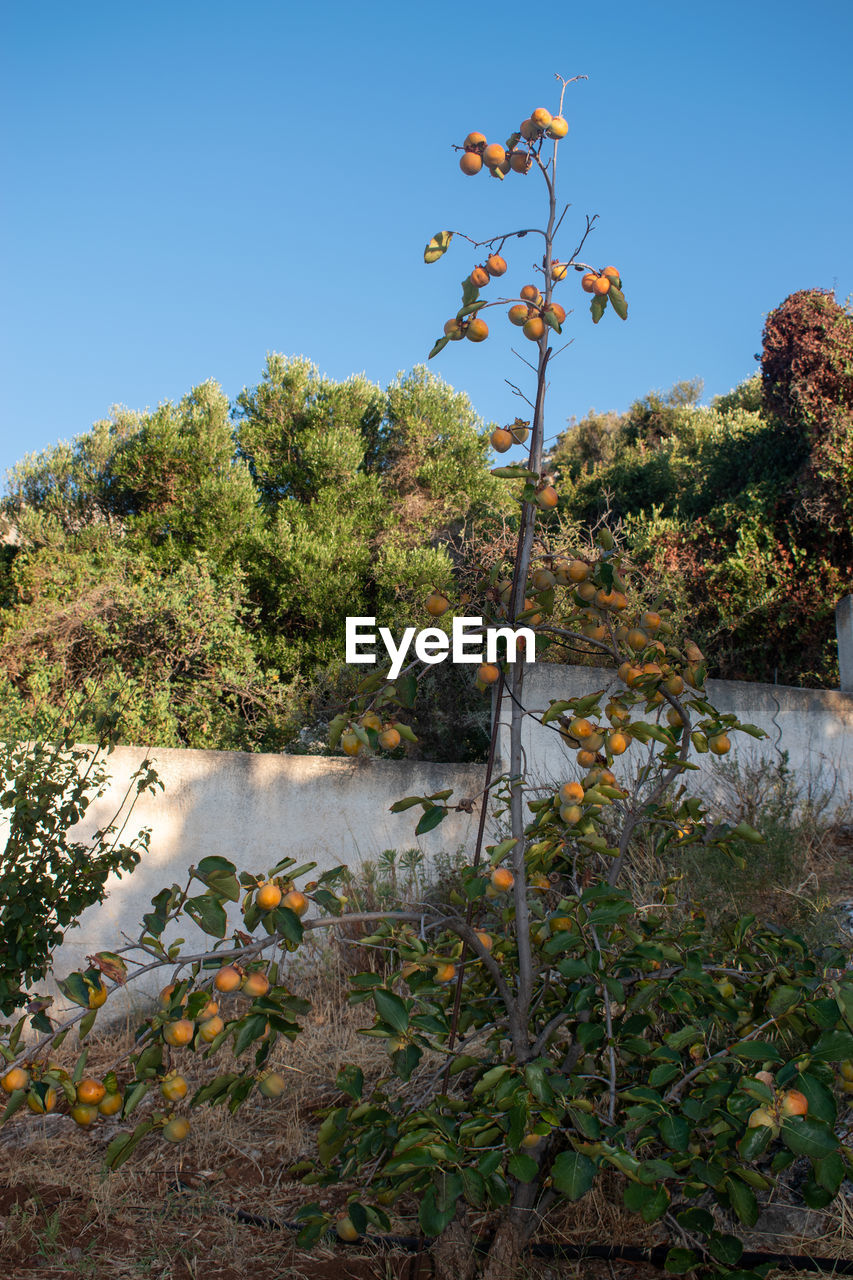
[(49, 873), (726, 506), (203, 562)]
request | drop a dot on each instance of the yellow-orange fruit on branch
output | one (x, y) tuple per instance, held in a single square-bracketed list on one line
[(556, 311), (445, 973), (15, 1078), (518, 314), (179, 1033), (389, 739), (503, 879), (558, 128), (210, 1028), (613, 275), (530, 293), (90, 1092), (501, 439), (272, 1085), (454, 329), (546, 499), (479, 277), (533, 328), (256, 984), (493, 155), (437, 604), (495, 264), (227, 979), (475, 140), (520, 162), (173, 1087), (177, 1129), (559, 270), (268, 896), (297, 901), (602, 285), (529, 131), (588, 282), (488, 673), (541, 117), (471, 163), (477, 330), (83, 1114)]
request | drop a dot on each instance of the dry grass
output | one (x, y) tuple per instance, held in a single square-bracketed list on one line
[(60, 1218)]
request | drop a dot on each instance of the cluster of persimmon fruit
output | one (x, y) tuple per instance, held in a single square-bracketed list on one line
[(786, 1103), (387, 734), (90, 1099), (603, 614), (517, 155)]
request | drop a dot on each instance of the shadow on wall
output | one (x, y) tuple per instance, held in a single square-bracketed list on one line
[(255, 810)]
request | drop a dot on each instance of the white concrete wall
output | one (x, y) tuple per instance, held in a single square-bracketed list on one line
[(815, 727), (256, 809)]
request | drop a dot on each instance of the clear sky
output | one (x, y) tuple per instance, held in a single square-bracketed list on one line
[(189, 185)]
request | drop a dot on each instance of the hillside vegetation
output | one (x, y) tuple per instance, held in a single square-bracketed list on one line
[(191, 568), (744, 509)]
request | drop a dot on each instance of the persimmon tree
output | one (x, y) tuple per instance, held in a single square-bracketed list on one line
[(544, 1027)]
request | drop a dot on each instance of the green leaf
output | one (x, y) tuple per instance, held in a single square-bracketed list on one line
[(514, 471), (597, 307), (782, 999), (438, 345), (745, 832), (470, 292), (743, 1201), (408, 802), (406, 690), (432, 1219), (754, 1141), (679, 1261), (431, 818), (523, 1167), (675, 1132), (755, 1051), (650, 1202), (86, 1024), (391, 1009), (821, 1102), (807, 1137), (573, 1174), (833, 1046), (208, 914), (437, 246), (287, 923), (829, 1172), (122, 1146), (350, 1079), (617, 301), (725, 1248), (551, 320), (405, 731)]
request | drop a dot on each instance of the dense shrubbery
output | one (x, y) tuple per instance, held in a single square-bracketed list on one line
[(743, 509), (206, 569), (203, 561)]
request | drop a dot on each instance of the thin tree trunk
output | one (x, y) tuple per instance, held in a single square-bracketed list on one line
[(453, 1253)]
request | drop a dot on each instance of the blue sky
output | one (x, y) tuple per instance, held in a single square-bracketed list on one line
[(188, 186)]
